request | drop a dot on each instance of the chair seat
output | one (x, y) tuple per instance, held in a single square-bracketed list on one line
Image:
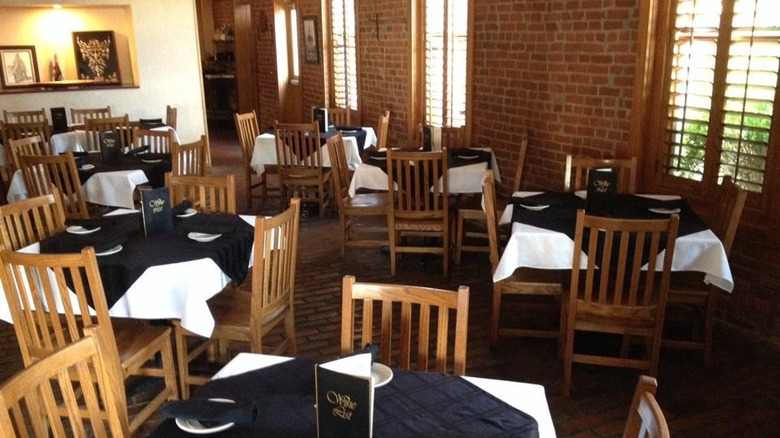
[(366, 204), (231, 312), (536, 282), (136, 340)]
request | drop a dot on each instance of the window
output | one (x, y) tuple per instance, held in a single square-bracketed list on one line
[(446, 56), (292, 43), (344, 54), (724, 84)]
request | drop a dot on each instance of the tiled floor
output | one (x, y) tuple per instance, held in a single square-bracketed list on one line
[(738, 396)]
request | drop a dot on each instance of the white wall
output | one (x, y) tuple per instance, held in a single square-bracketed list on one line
[(167, 64)]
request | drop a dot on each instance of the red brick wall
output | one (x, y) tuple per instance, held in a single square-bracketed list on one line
[(561, 69)]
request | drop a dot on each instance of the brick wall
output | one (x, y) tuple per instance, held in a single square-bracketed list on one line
[(561, 69)]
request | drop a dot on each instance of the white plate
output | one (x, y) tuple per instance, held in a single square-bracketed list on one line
[(380, 374), (379, 158), (113, 250), (194, 426), (188, 212), (468, 157), (150, 161), (665, 210), (87, 167), (202, 237), (78, 229), (581, 193), (534, 207)]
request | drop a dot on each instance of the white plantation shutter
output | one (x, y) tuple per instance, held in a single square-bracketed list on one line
[(446, 44), (720, 109), (344, 54)]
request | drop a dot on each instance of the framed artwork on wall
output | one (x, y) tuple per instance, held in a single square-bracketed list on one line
[(96, 55), (20, 66), (311, 40)]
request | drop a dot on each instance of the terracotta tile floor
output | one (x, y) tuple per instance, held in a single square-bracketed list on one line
[(738, 396)]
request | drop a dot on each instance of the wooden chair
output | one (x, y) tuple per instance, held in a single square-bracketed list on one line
[(576, 174), (645, 418), (43, 173), (158, 141), (688, 289), (25, 116), (93, 127), (77, 390), (25, 129), (170, 116), (453, 137), (248, 317), (248, 130), (336, 116), (34, 145), (208, 194), (612, 294), (432, 309), (420, 205), (189, 158), (79, 116), (299, 153), (30, 220), (34, 284), (471, 214), (353, 208), (524, 281), (381, 130)]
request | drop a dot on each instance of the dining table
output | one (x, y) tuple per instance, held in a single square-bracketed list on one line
[(110, 184), (356, 139), (76, 139), (466, 169), (280, 394), (165, 276), (543, 226)]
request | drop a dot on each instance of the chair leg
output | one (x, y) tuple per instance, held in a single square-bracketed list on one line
[(458, 238), (181, 361), (709, 325), (495, 315)]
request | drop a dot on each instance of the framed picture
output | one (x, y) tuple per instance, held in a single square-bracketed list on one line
[(96, 55), (311, 40), (20, 66)]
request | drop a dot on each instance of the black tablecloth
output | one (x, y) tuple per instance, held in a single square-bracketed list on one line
[(413, 404), (231, 251), (346, 131), (155, 172)]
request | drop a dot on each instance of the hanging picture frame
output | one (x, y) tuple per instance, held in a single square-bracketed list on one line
[(96, 57), (311, 40), (19, 66)]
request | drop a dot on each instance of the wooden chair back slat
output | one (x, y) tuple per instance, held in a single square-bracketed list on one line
[(207, 194), (80, 115), (410, 300), (24, 116), (339, 168), (645, 418), (121, 125), (75, 391), (728, 212), (576, 173), (189, 158), (298, 146), (422, 183), (158, 141), (30, 220), (33, 145), (453, 137), (43, 173), (22, 130)]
